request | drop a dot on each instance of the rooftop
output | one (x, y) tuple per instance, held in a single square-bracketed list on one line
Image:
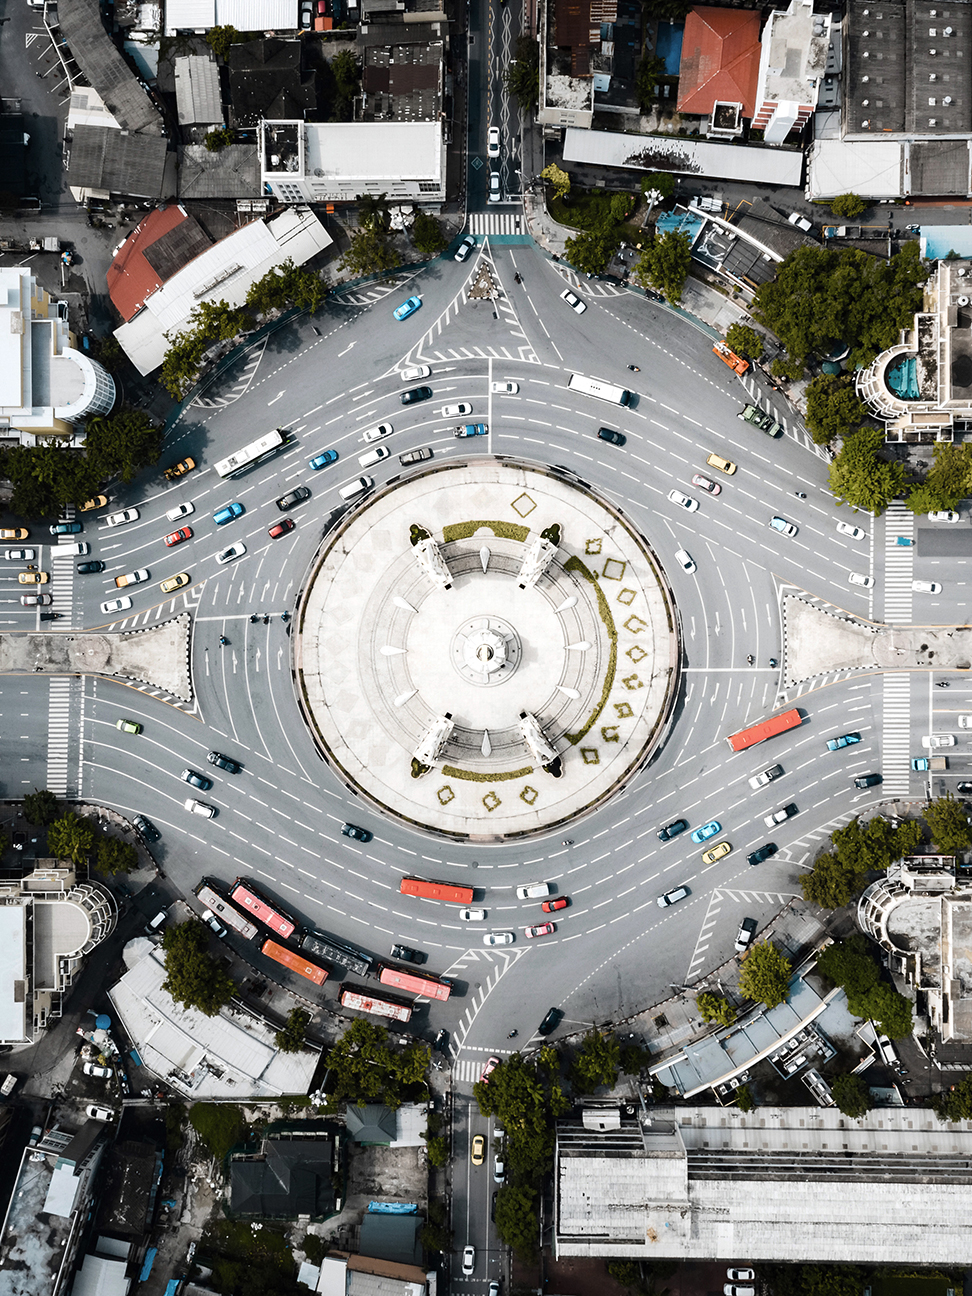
[(233, 172), (793, 54), (105, 68), (720, 60), (366, 150), (266, 81), (680, 155), (198, 99), (166, 240), (116, 162), (291, 1177), (402, 82)]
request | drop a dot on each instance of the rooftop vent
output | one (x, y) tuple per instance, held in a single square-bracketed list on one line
[(864, 80), (947, 99), (932, 31), (933, 52), (962, 273), (865, 103), (947, 31), (932, 76), (867, 33), (963, 301), (866, 54), (865, 124), (932, 121)]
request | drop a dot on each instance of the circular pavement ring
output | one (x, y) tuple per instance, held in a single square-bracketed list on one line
[(512, 570)]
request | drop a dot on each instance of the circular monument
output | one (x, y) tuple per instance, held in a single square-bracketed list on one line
[(486, 650)]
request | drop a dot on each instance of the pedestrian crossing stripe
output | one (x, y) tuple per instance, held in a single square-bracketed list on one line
[(896, 752), (899, 565), (497, 223)]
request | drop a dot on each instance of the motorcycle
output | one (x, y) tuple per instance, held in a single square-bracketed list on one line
[(634, 368), (750, 659), (223, 641), (773, 662), (513, 1034), (800, 494), (942, 684)]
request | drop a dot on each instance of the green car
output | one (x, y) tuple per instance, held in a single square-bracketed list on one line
[(128, 726)]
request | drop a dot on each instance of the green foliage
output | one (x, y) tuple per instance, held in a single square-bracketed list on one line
[(122, 444), (220, 1126), (893, 1013), (744, 1099), (830, 883), (217, 139), (219, 40), (516, 1219), (210, 322), (314, 1248), (765, 975), (745, 341), (596, 1063), (713, 1008), (665, 264), (649, 70), (248, 1263), (876, 844), (634, 1059), (291, 1038), (340, 83), (40, 806), (851, 1095), (374, 212), (369, 253), (859, 475), (820, 296), (175, 1115), (849, 964), (436, 1149), (522, 77), (193, 977), (833, 409), (662, 182), (948, 481), (427, 234), (116, 856), (625, 1272), (949, 828), (363, 1068), (590, 252), (71, 837), (956, 1102), (47, 476), (286, 285), (848, 205), (435, 1234), (526, 1098), (784, 368), (558, 178)]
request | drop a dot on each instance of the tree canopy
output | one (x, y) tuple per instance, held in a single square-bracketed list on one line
[(851, 1095), (116, 856), (955, 1103), (833, 409), (522, 77), (713, 1008), (221, 1126), (859, 476), (850, 965), (40, 806), (647, 74), (745, 341), (597, 1062), (590, 251), (71, 837), (946, 817), (291, 1038), (193, 977), (558, 178), (765, 975), (948, 480), (369, 253), (665, 265), (286, 285), (859, 849), (848, 205), (364, 1068), (427, 234)]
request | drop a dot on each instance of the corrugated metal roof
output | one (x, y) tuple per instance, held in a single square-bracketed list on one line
[(233, 172), (133, 165), (105, 68), (197, 91), (12, 972), (656, 153), (181, 15), (257, 15)]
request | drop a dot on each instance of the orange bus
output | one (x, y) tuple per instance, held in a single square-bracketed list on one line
[(436, 890), (736, 363), (416, 982), (296, 962), (765, 729), (371, 1004)]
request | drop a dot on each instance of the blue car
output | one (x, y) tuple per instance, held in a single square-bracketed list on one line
[(471, 430), (407, 308), (227, 514), (322, 460), (66, 528), (845, 740), (706, 831)]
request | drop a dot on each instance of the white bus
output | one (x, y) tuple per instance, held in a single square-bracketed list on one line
[(602, 390), (264, 447)]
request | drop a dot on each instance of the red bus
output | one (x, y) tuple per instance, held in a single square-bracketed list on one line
[(415, 982), (223, 909), (380, 1007), (296, 962), (436, 890), (765, 729), (247, 898)]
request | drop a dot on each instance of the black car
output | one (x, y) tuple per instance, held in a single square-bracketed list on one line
[(296, 496), (763, 853), (672, 830), (492, 1208), (964, 787), (407, 954), (416, 394), (95, 565), (868, 780), (224, 763), (196, 780), (148, 830), (359, 834), (609, 434), (550, 1022), (441, 1040)]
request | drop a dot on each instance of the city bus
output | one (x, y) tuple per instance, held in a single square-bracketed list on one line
[(256, 452), (412, 886), (364, 1002), (602, 390), (332, 951), (230, 915), (244, 895), (765, 729), (415, 982), (296, 962)]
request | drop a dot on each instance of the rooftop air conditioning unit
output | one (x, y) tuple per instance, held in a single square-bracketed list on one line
[(932, 76), (864, 80), (933, 52), (963, 301), (865, 124), (865, 103), (932, 103), (962, 273)]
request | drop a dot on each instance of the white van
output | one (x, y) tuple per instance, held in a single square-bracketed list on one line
[(73, 547), (534, 891), (372, 457), (356, 488)]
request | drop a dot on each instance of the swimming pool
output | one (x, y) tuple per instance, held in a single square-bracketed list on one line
[(668, 45), (902, 378)]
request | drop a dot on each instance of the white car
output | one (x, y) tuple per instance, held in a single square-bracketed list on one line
[(573, 301), (122, 516), (685, 501), (855, 532), (533, 891), (20, 555), (965, 722), (456, 411), (93, 1069), (495, 191), (199, 808), (734, 1289), (468, 1260), (672, 897), (371, 457), (740, 1275), (416, 372), (116, 605), (504, 388), (858, 578), (943, 515), (180, 511), (99, 1113), (685, 559), (766, 776), (472, 915), (236, 550), (493, 142), (938, 740), (498, 938), (926, 587), (376, 433), (465, 247)]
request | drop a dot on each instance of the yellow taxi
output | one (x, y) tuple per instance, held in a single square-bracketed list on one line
[(99, 501), (716, 852), (174, 583), (724, 465), (33, 578), (14, 533), (478, 1149)]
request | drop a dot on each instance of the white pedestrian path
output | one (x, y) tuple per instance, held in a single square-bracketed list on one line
[(59, 710), (899, 565), (896, 755), (497, 223)]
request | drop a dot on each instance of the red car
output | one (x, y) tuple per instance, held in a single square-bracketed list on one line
[(551, 906), (280, 528), (491, 1065), (177, 537), (541, 929)]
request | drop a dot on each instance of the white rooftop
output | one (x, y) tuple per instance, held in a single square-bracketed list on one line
[(871, 168), (244, 15), (13, 970), (657, 153), (793, 54), (370, 151), (99, 1276), (198, 97)]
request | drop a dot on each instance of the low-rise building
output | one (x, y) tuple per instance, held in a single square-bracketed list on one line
[(795, 54), (287, 1178), (356, 1275), (198, 98), (719, 70)]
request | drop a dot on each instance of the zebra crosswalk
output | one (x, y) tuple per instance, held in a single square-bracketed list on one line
[(896, 753), (498, 223), (899, 564), (63, 570), (63, 703)]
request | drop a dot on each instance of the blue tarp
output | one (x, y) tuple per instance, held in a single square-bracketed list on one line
[(150, 1255), (172, 1286), (392, 1208)]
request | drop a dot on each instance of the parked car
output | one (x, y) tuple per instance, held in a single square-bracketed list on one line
[(673, 829), (94, 1069), (358, 834), (745, 934), (146, 828), (499, 1170), (740, 1275), (408, 307), (122, 517), (943, 515), (99, 1113), (612, 437), (292, 498), (845, 740), (762, 853), (213, 923), (766, 776)]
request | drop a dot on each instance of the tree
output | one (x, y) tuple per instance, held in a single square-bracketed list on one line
[(745, 341), (833, 409), (122, 444), (859, 476), (949, 827), (193, 977), (713, 1008), (291, 1038), (427, 234), (765, 975), (71, 837), (830, 883), (45, 477), (590, 252), (219, 322), (181, 362), (948, 481), (625, 1272), (218, 138), (220, 39), (522, 77), (956, 1102), (659, 182), (40, 806), (116, 856), (849, 964), (893, 1013), (744, 1099), (369, 253), (526, 1097), (876, 844), (516, 1219), (558, 178), (647, 75), (435, 1234), (374, 212), (848, 205), (347, 82), (364, 1068), (286, 285), (597, 1063), (851, 1095), (221, 1126), (436, 1149), (665, 264)]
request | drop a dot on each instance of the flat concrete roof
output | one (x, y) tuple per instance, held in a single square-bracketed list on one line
[(13, 972)]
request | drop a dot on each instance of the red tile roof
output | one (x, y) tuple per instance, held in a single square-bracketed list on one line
[(130, 277), (720, 59)]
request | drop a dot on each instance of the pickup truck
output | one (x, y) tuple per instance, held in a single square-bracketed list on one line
[(471, 429), (759, 418), (921, 763), (132, 578)]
